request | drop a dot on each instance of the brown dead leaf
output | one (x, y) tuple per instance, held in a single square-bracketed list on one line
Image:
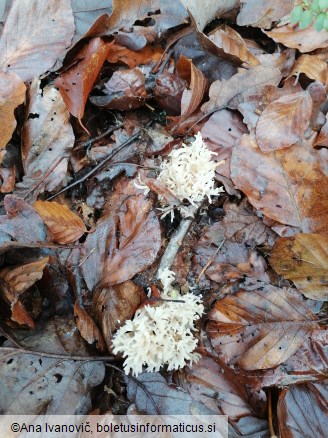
[(147, 55), (241, 224), (12, 94), (64, 224), (88, 329), (261, 13), (234, 91), (22, 222), (305, 40), (169, 90), (76, 83), (20, 315), (112, 306), (303, 259), (125, 90), (284, 121), (260, 329), (227, 39), (286, 185), (322, 139), (210, 381), (192, 97), (312, 66), (303, 411), (47, 139), (35, 35)]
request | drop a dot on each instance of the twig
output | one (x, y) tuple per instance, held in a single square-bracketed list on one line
[(209, 262), (174, 244), (88, 143), (55, 355), (98, 166), (137, 382)]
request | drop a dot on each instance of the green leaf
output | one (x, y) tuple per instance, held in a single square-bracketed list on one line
[(323, 4), (296, 14), (319, 22), (305, 20), (325, 23), (315, 6)]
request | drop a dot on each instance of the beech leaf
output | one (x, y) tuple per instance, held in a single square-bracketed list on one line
[(262, 328), (303, 259), (65, 226), (87, 327)]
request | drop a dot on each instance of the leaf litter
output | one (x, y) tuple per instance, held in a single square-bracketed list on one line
[(95, 100)]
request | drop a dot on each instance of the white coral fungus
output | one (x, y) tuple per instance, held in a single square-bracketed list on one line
[(189, 172), (166, 277), (160, 335)]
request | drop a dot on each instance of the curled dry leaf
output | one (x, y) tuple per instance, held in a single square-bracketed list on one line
[(286, 185), (261, 13), (232, 92), (35, 35), (64, 224), (112, 306), (12, 94), (87, 327), (305, 40), (284, 121), (169, 90), (260, 329), (302, 410), (312, 66), (47, 139), (125, 90), (303, 259), (233, 44), (192, 97), (76, 83)]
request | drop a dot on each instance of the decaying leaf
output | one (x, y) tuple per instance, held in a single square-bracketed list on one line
[(64, 224), (112, 306), (302, 410), (12, 94), (234, 91), (36, 384), (286, 185), (284, 121), (262, 328), (147, 55), (35, 35), (261, 13), (312, 66), (303, 259), (192, 97), (76, 83), (87, 327), (47, 139)]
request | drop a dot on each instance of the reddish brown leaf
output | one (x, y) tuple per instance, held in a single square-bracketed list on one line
[(12, 94), (303, 259), (261, 13), (35, 35), (284, 121), (47, 139), (88, 329), (260, 329), (22, 222), (76, 83), (303, 411), (169, 89), (233, 44), (112, 306), (124, 91), (147, 55), (232, 92), (286, 185), (137, 244), (20, 315), (65, 226), (305, 40)]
